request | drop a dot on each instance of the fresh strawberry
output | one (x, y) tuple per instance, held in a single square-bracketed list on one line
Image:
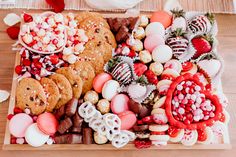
[(202, 44), (13, 32), (140, 68), (152, 78), (27, 18), (58, 5)]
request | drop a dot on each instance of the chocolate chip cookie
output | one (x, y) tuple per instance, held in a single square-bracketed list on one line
[(64, 87), (74, 79), (30, 94)]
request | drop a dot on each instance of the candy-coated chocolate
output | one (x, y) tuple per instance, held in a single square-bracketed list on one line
[(153, 41), (163, 17), (100, 80), (128, 119), (19, 123), (119, 103)]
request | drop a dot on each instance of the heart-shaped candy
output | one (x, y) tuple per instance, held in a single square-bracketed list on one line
[(189, 105)]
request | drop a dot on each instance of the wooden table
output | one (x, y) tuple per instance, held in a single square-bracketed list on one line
[(227, 48)]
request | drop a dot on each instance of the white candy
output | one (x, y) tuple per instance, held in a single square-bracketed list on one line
[(125, 50), (71, 16), (181, 110), (79, 48), (83, 38), (179, 87), (60, 43), (71, 32), (20, 141), (67, 51), (58, 17), (25, 29), (51, 22), (72, 58), (193, 97), (38, 19), (155, 28), (51, 47), (72, 24), (32, 25), (143, 21), (162, 53), (4, 95), (41, 32), (197, 88), (60, 27), (11, 19), (189, 83), (45, 25), (27, 38), (196, 118), (46, 40), (193, 107)]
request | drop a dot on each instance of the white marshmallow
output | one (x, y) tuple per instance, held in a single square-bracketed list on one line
[(45, 25), (73, 24), (67, 51), (60, 43), (51, 47), (46, 39), (71, 58), (27, 38), (60, 27), (79, 48), (51, 22), (38, 19), (58, 17), (41, 32), (25, 29)]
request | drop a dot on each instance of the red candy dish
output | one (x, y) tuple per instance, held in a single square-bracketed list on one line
[(189, 105)]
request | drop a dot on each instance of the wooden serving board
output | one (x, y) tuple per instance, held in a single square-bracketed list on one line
[(106, 147)]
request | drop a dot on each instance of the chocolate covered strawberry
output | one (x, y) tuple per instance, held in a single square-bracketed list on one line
[(179, 20), (139, 68), (202, 44), (177, 42), (152, 78), (201, 23)]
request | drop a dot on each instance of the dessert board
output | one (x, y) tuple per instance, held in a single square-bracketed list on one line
[(7, 141)]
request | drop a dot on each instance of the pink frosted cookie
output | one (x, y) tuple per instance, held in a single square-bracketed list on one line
[(47, 123), (19, 123), (100, 80), (128, 119), (119, 103), (153, 41)]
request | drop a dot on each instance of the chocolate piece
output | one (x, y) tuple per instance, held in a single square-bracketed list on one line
[(76, 129), (60, 112), (133, 21), (64, 125), (77, 120), (134, 106), (140, 127), (71, 107), (87, 136), (68, 139), (144, 111), (123, 34)]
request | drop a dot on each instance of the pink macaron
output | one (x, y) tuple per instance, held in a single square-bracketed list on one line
[(119, 103), (19, 124), (128, 120), (100, 80), (47, 123), (153, 41)]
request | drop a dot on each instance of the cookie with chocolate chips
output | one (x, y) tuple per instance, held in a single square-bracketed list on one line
[(93, 22), (30, 94), (94, 58), (74, 79), (86, 71), (64, 87), (52, 93)]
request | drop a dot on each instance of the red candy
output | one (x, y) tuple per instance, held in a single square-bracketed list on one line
[(202, 135), (173, 131), (54, 59), (13, 32), (58, 5), (26, 62), (9, 116), (18, 69), (148, 119), (17, 110), (27, 18)]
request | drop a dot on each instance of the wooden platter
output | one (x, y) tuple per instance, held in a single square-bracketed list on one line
[(83, 147)]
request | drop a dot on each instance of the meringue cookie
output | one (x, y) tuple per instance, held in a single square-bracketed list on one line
[(139, 33), (138, 45), (143, 21)]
